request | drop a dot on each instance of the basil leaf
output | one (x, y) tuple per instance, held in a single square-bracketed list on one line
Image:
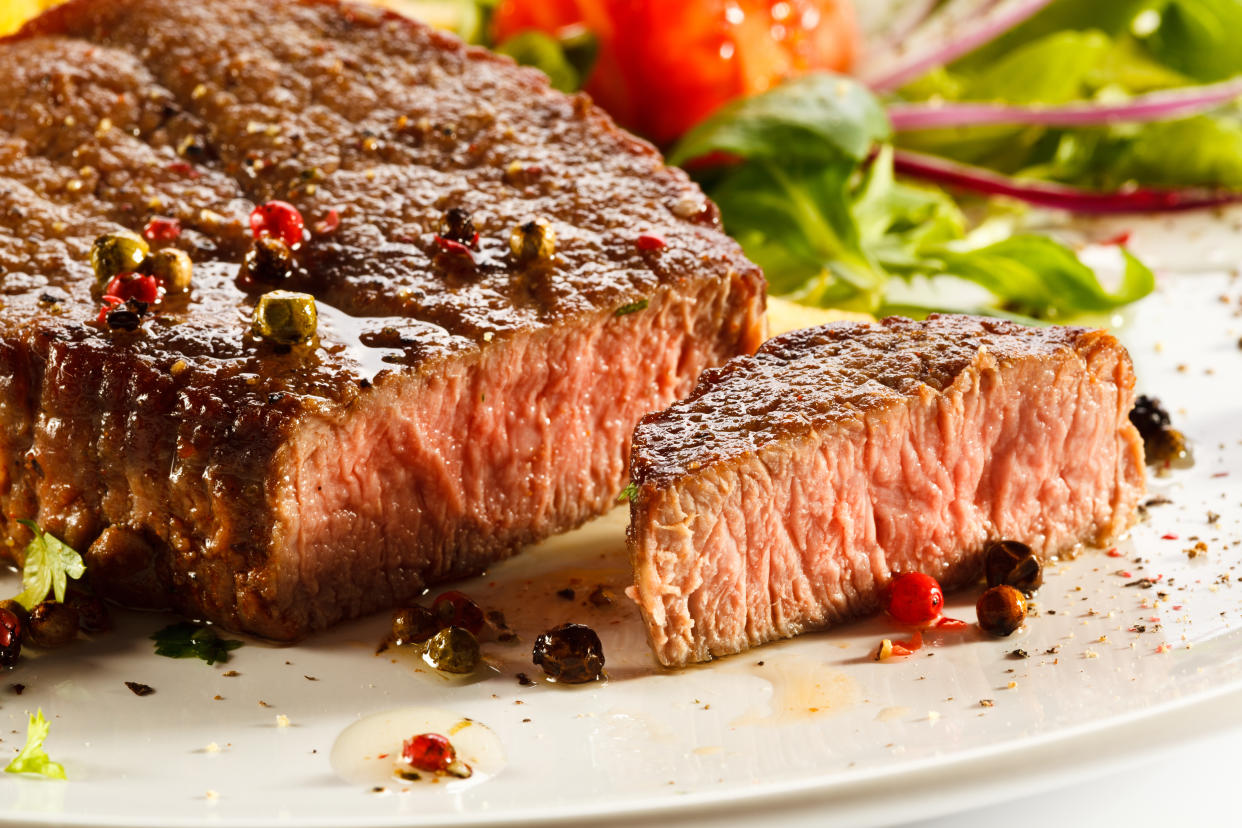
[(32, 758), (816, 118), (48, 564), (190, 640)]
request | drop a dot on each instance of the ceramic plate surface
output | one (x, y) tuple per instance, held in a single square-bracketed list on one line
[(1121, 644)]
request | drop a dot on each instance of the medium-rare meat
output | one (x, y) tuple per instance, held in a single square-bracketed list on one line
[(790, 486), (456, 405)]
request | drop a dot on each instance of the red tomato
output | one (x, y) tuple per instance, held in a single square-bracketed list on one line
[(665, 66)]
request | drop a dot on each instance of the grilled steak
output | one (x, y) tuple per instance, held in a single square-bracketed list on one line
[(790, 486), (456, 405)]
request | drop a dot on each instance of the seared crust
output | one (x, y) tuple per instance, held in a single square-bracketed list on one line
[(807, 380)]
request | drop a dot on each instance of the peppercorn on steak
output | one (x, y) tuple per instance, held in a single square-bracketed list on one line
[(790, 486), (503, 283)]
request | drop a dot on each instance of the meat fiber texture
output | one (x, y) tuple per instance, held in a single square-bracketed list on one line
[(790, 486), (451, 410)]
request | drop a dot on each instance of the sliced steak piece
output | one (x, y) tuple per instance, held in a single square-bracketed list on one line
[(791, 485), (454, 408)]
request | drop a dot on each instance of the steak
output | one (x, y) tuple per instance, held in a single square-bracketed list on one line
[(454, 408), (790, 486)]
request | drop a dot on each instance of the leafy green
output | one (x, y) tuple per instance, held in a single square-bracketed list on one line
[(567, 60), (33, 758), (815, 118), (48, 564), (1104, 50), (831, 225), (190, 640), (628, 493)]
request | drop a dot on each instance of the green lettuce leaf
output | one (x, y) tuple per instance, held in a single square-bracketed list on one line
[(1102, 50), (819, 209), (48, 564), (33, 758)]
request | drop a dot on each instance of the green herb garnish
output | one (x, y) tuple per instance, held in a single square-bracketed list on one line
[(632, 307), (628, 493), (33, 758), (48, 564), (814, 201), (190, 640)]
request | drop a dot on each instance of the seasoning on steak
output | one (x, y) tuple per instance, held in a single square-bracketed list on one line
[(790, 486), (455, 407)]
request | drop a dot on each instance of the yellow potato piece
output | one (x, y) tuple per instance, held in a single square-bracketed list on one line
[(784, 316), (13, 13)]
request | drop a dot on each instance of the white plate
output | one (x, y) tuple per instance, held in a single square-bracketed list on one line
[(808, 723)]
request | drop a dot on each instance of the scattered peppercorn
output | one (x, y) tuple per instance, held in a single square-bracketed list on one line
[(115, 253), (286, 318), (1001, 610), (567, 593), (913, 598), (123, 317), (570, 653), (1161, 444), (172, 268), (453, 650), (414, 625), (533, 241), (455, 609), (10, 638), (500, 627), (1013, 563), (52, 624), (429, 752), (458, 226), (140, 689), (280, 220), (525, 680), (126, 286), (162, 229), (269, 262)]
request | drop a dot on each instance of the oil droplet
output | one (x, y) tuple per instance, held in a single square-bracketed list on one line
[(802, 688), (368, 751)]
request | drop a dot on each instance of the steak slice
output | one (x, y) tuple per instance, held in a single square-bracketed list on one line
[(790, 486), (454, 407)]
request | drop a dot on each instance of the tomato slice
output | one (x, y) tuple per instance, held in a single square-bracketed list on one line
[(664, 66)]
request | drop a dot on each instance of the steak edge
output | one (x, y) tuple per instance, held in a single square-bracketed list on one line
[(450, 412), (789, 487)]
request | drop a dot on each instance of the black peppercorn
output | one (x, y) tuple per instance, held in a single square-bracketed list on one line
[(570, 653), (1001, 610), (458, 226), (1013, 563), (52, 624), (414, 625)]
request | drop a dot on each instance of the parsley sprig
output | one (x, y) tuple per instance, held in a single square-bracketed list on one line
[(190, 640), (33, 758), (48, 565)]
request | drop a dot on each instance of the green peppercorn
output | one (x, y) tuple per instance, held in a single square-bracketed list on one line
[(1001, 610), (1013, 563), (533, 241), (173, 269), (120, 252), (453, 650), (286, 317)]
